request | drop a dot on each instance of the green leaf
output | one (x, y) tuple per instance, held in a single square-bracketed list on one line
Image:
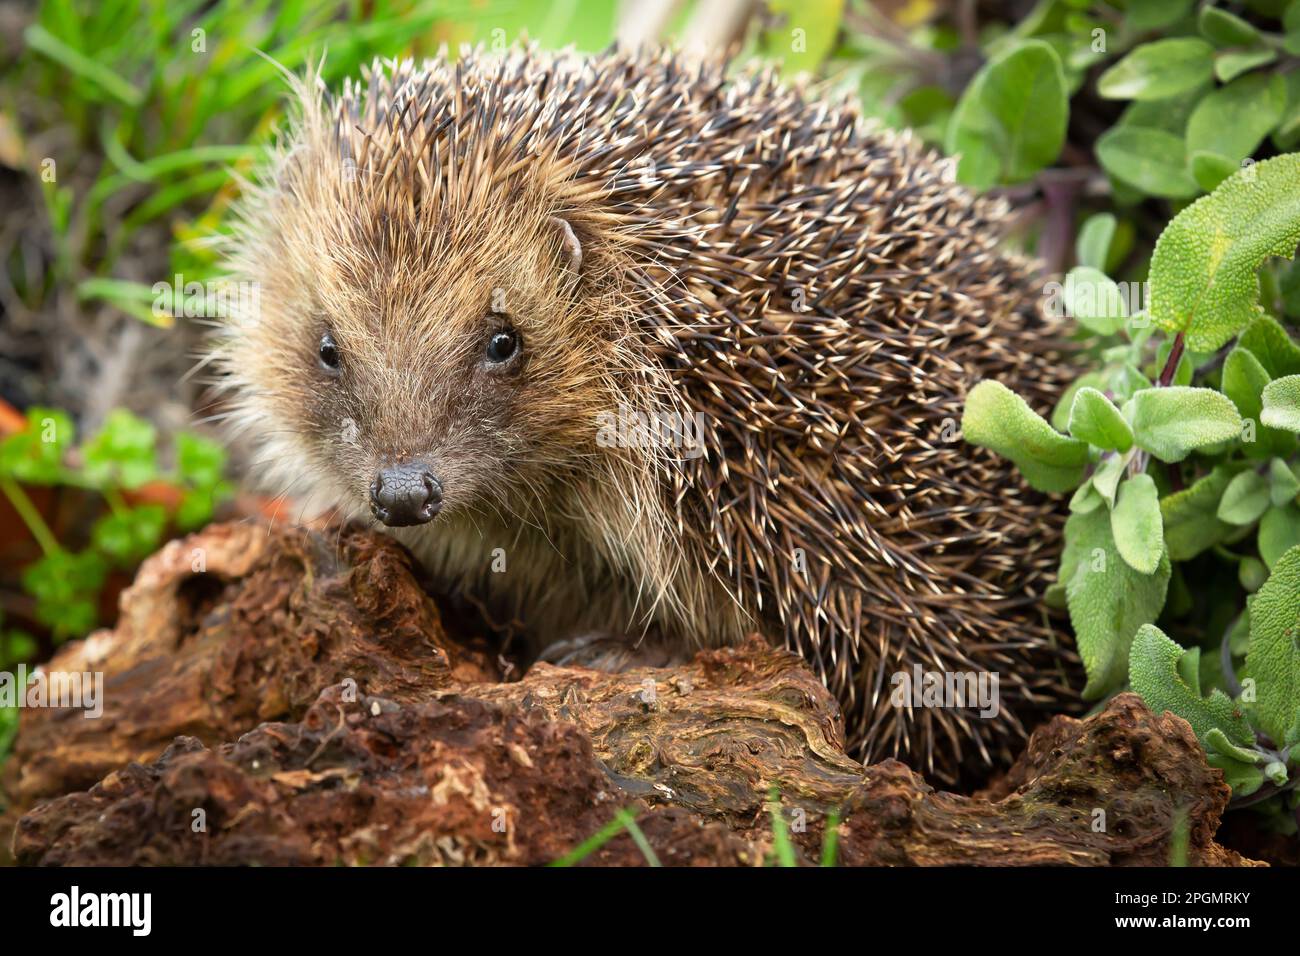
[(1210, 169), (197, 505), (35, 454), (1172, 422), (66, 587), (1106, 478), (1126, 382), (1243, 778), (1217, 741), (998, 419), (199, 461), (1273, 656), (1169, 115), (1279, 532), (1096, 420), (1244, 379), (123, 451), (1157, 70), (1281, 404), (132, 535), (1061, 413), (1149, 159), (1085, 498), (1225, 29), (1203, 279), (1092, 248), (1269, 343), (1252, 573), (1245, 499), (1136, 525), (1143, 16), (1108, 600), (1154, 674), (1191, 516), (1283, 485), (1230, 64), (1233, 120), (1287, 133), (1094, 300), (818, 23), (1010, 121)]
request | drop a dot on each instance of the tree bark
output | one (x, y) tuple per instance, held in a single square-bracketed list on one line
[(294, 698)]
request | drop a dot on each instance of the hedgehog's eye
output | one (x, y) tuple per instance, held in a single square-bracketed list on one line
[(502, 345), (329, 353)]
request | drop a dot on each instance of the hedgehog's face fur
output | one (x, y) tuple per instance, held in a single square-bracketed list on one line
[(379, 352)]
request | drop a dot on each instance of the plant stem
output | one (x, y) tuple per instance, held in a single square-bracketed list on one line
[(116, 501), (30, 515), (1171, 364)]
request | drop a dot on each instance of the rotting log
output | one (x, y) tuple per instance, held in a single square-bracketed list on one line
[(293, 697)]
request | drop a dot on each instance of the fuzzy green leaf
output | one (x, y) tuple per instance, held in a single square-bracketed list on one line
[(1252, 573), (1061, 412), (1279, 532), (998, 419), (1191, 516), (1095, 419), (1092, 248), (1243, 778), (1271, 344), (1230, 64), (1245, 499), (1136, 525), (1172, 422), (1085, 498), (1156, 70), (1094, 300), (1216, 741), (1225, 29), (1107, 477), (1281, 405), (1273, 657), (1143, 16), (1154, 674), (1283, 485), (1108, 600), (1232, 121), (1203, 271), (1244, 379), (1210, 169), (1010, 121), (1148, 159)]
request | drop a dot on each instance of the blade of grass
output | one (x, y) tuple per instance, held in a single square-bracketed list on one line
[(42, 41), (638, 838), (831, 839), (160, 166), (623, 820), (134, 298), (781, 844)]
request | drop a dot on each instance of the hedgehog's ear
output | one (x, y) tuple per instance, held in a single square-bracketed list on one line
[(572, 247)]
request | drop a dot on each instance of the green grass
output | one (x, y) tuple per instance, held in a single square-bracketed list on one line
[(624, 820), (160, 99)]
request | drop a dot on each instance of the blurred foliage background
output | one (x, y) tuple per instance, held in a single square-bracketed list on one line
[(124, 122)]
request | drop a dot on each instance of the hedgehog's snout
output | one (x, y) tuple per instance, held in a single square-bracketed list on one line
[(405, 494)]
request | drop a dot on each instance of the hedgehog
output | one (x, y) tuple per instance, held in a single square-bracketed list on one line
[(633, 347)]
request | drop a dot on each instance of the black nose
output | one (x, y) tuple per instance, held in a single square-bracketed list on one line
[(404, 495)]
